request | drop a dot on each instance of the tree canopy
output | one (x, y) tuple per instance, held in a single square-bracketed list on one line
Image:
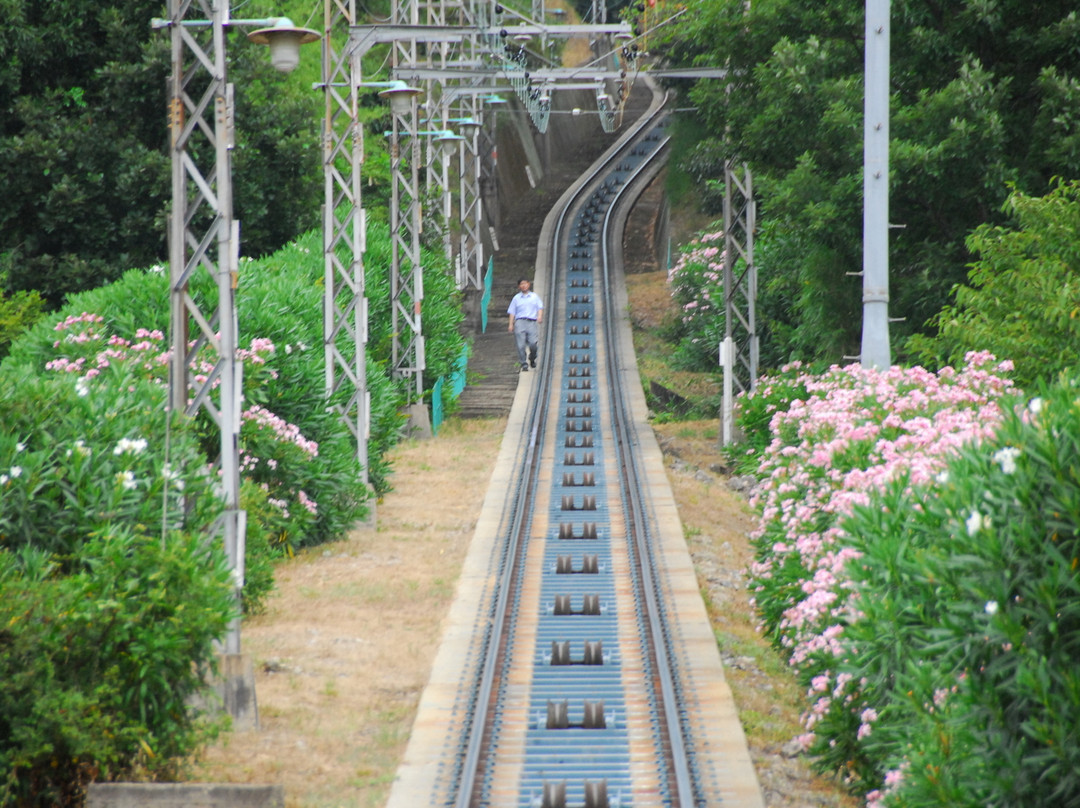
[(83, 137), (983, 95)]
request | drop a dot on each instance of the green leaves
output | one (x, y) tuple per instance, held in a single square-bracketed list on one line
[(982, 94), (1022, 299), (979, 630), (98, 664)]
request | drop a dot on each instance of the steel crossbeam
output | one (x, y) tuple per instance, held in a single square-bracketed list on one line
[(455, 48)]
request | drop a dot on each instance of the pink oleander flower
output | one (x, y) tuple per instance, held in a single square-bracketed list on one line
[(857, 431)]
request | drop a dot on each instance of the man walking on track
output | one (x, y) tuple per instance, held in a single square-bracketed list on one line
[(526, 313)]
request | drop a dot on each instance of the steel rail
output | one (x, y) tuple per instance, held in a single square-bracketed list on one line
[(519, 516), (638, 518)]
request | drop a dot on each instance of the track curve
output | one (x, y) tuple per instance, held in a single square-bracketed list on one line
[(578, 666)]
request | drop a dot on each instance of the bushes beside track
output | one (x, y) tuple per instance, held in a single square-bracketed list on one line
[(111, 592), (916, 561)]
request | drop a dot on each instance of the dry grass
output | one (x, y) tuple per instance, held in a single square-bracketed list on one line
[(347, 641), (651, 313)]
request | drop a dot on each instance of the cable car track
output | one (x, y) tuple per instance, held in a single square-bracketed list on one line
[(577, 690)]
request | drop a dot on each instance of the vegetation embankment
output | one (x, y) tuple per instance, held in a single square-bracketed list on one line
[(916, 551), (916, 544), (94, 471)]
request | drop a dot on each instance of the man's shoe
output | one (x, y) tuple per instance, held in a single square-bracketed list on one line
[(532, 362), (524, 368)]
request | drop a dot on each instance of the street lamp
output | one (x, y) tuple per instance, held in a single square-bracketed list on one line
[(444, 138), (469, 126), (279, 33), (398, 92), (200, 150), (284, 40)]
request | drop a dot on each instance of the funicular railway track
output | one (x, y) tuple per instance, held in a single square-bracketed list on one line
[(572, 708), (579, 688)]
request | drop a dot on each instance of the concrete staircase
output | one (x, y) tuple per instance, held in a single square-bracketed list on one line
[(493, 367), (493, 374)]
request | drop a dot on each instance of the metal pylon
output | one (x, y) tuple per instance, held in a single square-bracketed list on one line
[(406, 272), (345, 321), (469, 269), (739, 353), (203, 236), (470, 259)]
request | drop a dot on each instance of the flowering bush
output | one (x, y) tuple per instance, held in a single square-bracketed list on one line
[(273, 452), (840, 438), (75, 459), (856, 430), (109, 590), (965, 648), (101, 655), (110, 598), (697, 285)]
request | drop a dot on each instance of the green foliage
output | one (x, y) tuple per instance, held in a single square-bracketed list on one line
[(981, 96), (968, 603), (105, 633), (18, 312), (1023, 294), (76, 459), (98, 664), (82, 127)]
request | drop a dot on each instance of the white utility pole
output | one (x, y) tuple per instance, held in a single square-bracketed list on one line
[(875, 335)]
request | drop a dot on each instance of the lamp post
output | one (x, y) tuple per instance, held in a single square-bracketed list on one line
[(201, 112), (345, 305)]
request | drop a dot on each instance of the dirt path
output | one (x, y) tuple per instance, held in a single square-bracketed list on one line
[(346, 643)]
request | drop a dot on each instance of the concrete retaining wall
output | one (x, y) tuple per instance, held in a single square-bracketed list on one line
[(183, 795)]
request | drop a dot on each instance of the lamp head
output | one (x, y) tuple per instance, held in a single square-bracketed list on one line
[(468, 125), (284, 40), (400, 95), (447, 141)]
